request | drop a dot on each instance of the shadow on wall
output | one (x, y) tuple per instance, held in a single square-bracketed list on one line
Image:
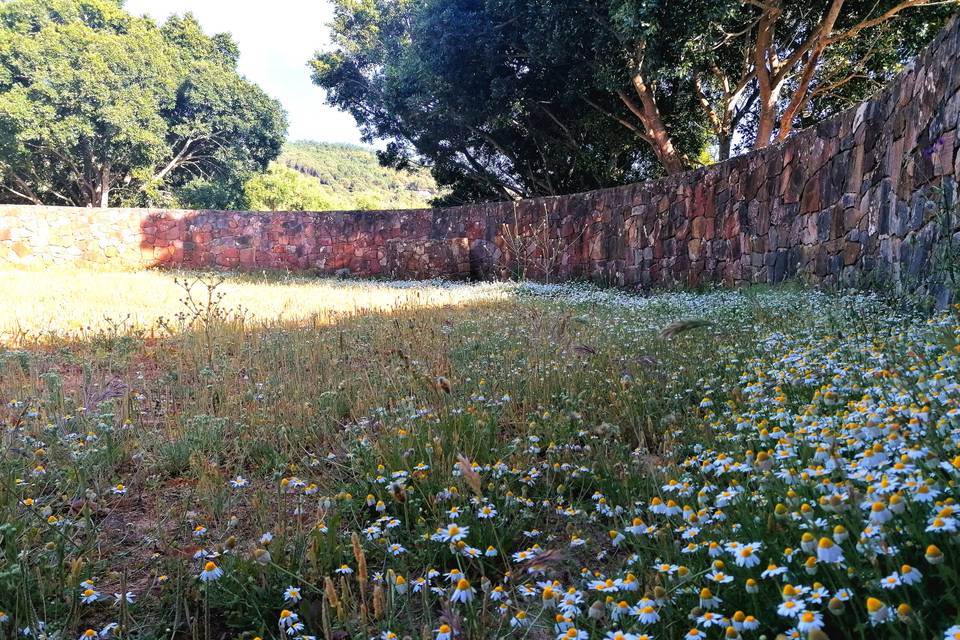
[(479, 242), (365, 243)]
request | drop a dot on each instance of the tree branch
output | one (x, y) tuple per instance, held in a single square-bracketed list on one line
[(629, 125), (712, 116), (800, 93), (566, 130), (481, 175), (174, 162), (886, 15), (28, 196)]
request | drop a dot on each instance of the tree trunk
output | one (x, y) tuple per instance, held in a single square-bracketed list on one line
[(767, 119), (800, 93), (724, 142), (772, 72), (101, 195), (656, 129), (768, 83), (663, 147)]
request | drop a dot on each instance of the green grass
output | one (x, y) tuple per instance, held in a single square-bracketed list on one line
[(359, 415)]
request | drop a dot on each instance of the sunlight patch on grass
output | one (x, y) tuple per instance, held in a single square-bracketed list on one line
[(75, 302)]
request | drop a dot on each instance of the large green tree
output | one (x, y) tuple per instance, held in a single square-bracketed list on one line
[(503, 98), (512, 98), (99, 107)]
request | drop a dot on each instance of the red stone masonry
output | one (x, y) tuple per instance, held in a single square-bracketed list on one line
[(871, 190)]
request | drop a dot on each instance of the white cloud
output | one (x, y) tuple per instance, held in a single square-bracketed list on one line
[(276, 40)]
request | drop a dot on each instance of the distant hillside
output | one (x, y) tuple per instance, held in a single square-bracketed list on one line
[(351, 177)]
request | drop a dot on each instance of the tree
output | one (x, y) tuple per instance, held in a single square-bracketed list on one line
[(498, 103), (283, 189), (513, 98), (98, 107), (777, 64)]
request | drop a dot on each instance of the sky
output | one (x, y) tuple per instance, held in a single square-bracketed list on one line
[(276, 40)]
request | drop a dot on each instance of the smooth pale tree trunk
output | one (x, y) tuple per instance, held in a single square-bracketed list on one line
[(102, 189)]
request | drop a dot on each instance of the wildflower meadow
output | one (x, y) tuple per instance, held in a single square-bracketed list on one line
[(217, 457)]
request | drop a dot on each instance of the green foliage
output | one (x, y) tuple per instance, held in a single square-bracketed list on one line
[(283, 189), (99, 107), (344, 177), (513, 98), (507, 116)]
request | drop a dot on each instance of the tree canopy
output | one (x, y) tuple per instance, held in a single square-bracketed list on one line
[(99, 108), (488, 93), (281, 188), (518, 98)]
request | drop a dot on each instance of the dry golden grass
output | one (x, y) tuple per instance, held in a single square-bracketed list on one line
[(74, 302)]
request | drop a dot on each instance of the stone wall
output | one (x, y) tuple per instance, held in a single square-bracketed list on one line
[(867, 193)]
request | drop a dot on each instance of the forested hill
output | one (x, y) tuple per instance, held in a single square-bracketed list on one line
[(351, 177)]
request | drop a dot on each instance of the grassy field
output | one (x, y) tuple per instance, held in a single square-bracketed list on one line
[(85, 304), (389, 460)]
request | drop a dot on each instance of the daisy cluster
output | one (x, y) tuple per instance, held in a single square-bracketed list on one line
[(815, 496)]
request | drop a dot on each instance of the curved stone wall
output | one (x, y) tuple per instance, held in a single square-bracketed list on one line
[(869, 193)]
